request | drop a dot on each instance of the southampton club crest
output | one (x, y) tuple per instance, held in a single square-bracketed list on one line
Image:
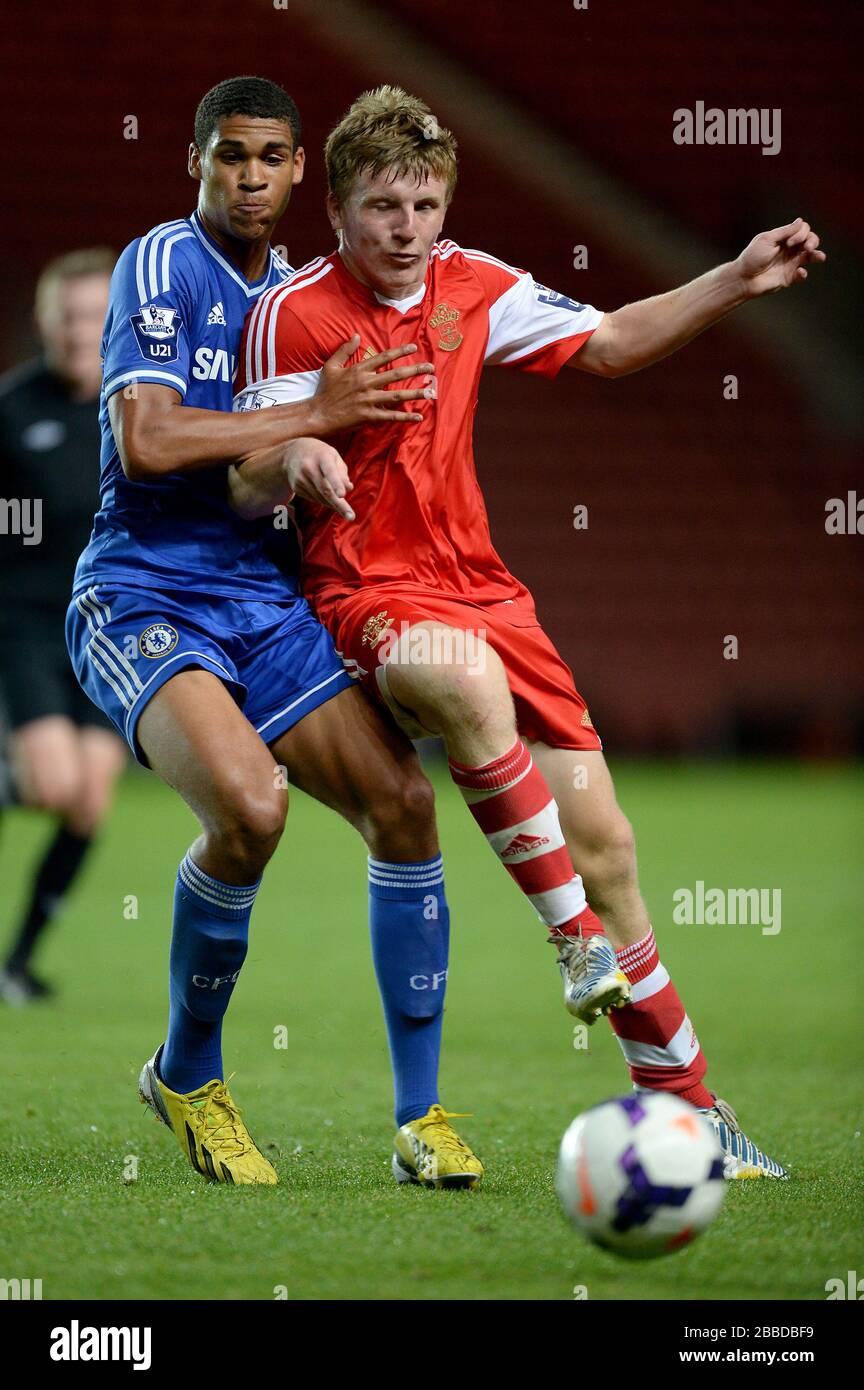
[(444, 319), (157, 331), (375, 627), (157, 640)]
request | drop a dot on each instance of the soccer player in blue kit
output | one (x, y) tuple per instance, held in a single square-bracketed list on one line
[(198, 646)]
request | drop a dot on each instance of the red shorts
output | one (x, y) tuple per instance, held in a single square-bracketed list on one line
[(367, 626)]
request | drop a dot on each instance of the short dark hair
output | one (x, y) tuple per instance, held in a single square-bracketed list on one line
[(245, 96)]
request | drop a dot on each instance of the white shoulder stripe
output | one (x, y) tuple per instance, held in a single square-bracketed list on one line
[(307, 269), (290, 287), (493, 260), (254, 339), (164, 241), (450, 251), (280, 263), (443, 250), (259, 313), (166, 259), (145, 259), (257, 343), (251, 332)]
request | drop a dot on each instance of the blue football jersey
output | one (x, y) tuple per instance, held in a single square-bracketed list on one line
[(175, 317)]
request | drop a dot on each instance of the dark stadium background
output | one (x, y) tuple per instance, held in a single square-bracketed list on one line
[(706, 516)]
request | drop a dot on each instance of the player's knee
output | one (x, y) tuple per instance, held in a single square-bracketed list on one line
[(473, 694), (251, 822), (610, 857), (476, 671), (411, 801), (400, 820), (260, 819), (450, 662)]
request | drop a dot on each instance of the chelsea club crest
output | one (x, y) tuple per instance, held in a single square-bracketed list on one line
[(157, 640)]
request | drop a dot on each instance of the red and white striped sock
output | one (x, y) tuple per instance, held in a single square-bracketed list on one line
[(656, 1036), (511, 802)]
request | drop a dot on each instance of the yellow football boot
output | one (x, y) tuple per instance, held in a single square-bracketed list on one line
[(429, 1152), (207, 1125)]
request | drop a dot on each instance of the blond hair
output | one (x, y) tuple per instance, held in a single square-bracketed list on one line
[(388, 128), (96, 260)]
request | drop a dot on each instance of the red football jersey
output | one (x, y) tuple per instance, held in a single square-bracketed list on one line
[(420, 514)]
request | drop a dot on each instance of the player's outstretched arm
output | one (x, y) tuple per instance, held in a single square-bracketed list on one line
[(642, 333), (304, 468), (157, 434)]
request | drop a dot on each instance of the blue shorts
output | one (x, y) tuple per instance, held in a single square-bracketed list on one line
[(276, 659)]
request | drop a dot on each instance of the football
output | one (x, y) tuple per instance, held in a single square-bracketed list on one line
[(641, 1175)]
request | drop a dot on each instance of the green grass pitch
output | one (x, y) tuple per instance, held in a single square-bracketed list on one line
[(778, 1016)]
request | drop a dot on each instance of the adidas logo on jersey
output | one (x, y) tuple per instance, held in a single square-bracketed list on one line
[(521, 844), (217, 314)]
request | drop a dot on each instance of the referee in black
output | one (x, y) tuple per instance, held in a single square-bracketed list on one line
[(64, 756)]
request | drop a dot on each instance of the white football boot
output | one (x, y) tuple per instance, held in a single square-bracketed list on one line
[(741, 1158), (594, 983)]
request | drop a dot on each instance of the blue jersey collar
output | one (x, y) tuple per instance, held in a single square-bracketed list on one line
[(215, 250)]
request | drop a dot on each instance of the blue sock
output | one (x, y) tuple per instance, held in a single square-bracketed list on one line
[(208, 947), (410, 926)]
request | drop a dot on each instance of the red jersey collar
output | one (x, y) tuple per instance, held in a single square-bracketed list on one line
[(364, 293)]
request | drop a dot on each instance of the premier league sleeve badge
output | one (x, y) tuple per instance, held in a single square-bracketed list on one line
[(157, 331)]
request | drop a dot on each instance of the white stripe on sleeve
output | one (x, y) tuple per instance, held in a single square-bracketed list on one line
[(278, 390), (521, 322)]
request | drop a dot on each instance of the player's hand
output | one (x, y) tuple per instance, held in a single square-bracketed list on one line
[(364, 394), (777, 259), (315, 470)]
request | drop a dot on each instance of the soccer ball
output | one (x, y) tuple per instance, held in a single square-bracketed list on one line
[(641, 1175)]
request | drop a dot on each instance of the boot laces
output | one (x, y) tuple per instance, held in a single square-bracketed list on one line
[(727, 1114), (221, 1124), (446, 1137), (574, 952)]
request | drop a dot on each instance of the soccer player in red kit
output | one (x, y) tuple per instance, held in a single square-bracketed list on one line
[(399, 562)]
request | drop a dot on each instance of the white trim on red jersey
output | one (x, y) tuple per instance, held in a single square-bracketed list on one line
[(474, 255), (524, 318), (277, 390), (521, 323), (261, 334)]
